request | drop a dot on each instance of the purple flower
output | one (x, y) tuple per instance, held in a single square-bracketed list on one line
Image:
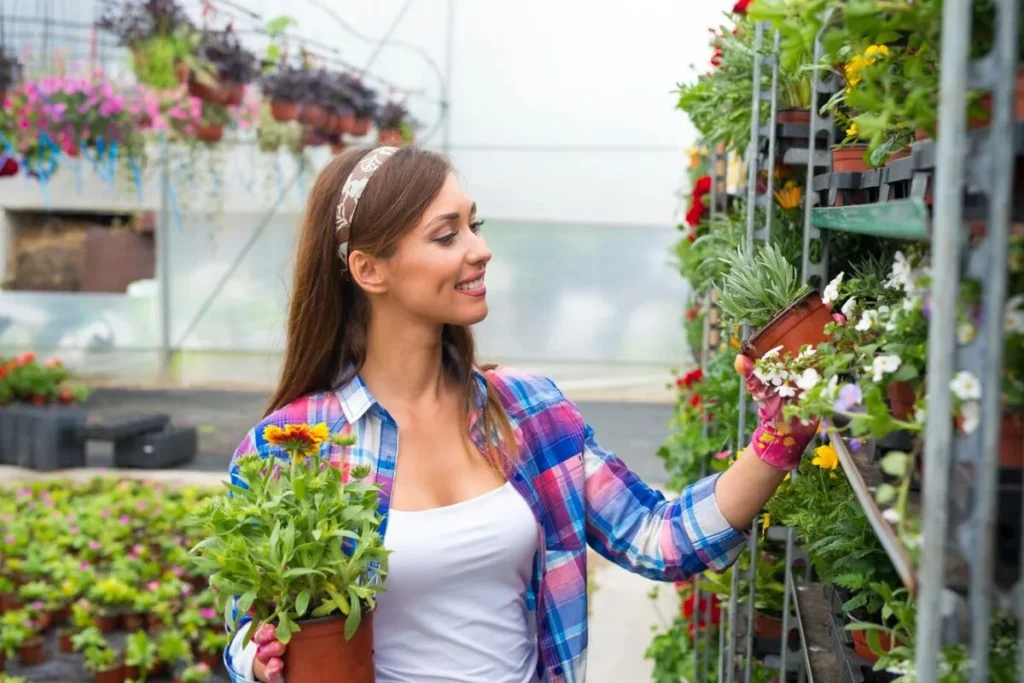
[(38, 605), (849, 397), (83, 565), (855, 445)]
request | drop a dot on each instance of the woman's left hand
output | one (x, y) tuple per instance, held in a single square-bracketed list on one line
[(777, 441)]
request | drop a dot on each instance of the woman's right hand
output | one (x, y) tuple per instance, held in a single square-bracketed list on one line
[(269, 664)]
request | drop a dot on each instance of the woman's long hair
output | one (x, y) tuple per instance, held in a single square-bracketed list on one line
[(329, 314)]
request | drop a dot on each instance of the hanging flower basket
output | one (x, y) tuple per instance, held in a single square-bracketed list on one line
[(313, 114), (209, 133), (361, 126), (232, 94), (390, 137), (284, 111)]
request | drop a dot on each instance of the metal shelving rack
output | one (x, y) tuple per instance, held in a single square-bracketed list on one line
[(954, 579)]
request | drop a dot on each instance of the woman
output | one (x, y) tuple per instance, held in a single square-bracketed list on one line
[(489, 536)]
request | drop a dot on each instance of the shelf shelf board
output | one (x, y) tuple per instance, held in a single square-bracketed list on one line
[(899, 218), (812, 615), (864, 478)]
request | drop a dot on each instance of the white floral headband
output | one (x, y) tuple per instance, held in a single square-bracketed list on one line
[(352, 190)]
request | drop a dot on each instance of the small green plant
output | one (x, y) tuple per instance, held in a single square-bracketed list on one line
[(173, 647), (759, 286), (88, 638), (140, 651), (100, 658), (198, 673), (214, 642)]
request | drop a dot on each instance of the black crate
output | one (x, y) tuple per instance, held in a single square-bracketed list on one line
[(157, 450), (42, 438)]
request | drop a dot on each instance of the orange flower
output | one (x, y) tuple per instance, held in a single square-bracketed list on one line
[(300, 440)]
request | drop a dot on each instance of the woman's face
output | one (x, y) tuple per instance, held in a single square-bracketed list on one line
[(437, 271)]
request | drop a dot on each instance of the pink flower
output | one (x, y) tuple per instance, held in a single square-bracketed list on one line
[(105, 513), (153, 586), (73, 529), (83, 565), (95, 545), (10, 540), (38, 605), (186, 589), (208, 613), (138, 549), (124, 519), (723, 455), (141, 505), (178, 571), (202, 666)]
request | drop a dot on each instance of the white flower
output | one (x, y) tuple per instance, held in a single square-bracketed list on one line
[(899, 277), (1014, 317), (891, 325), (867, 320), (884, 365), (786, 391), (920, 415), (831, 292), (966, 386), (809, 379), (970, 413), (831, 390), (771, 353), (965, 332), (808, 352), (759, 374), (892, 515), (848, 307), (911, 302)]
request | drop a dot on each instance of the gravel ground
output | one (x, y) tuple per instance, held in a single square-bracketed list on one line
[(633, 430)]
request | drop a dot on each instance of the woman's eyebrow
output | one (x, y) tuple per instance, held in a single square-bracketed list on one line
[(451, 216)]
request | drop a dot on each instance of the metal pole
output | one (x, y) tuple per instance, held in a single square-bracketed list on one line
[(996, 245), (449, 68), (748, 664), (163, 249), (784, 650), (773, 113), (730, 663), (947, 227), (755, 126)]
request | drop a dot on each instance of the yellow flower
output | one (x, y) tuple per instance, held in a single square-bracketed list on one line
[(852, 130), (789, 197), (300, 440), (735, 343), (825, 457), (852, 69), (766, 521), (787, 477), (877, 50)]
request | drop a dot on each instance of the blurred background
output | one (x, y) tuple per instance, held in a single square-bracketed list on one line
[(559, 117)]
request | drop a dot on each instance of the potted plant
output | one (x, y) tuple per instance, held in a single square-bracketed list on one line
[(316, 86), (764, 291), (211, 128), (197, 673), (172, 647), (211, 646), (104, 664), (111, 596), (286, 88), (140, 655), (394, 126), (234, 66), (322, 603), (11, 638)]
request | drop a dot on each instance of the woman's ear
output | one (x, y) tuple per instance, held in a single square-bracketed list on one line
[(368, 272)]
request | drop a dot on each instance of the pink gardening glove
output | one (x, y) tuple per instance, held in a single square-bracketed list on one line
[(270, 654), (777, 442)]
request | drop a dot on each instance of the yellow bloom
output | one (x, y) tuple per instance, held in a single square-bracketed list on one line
[(852, 69), (825, 457), (787, 477), (735, 343), (300, 440), (766, 521), (789, 197), (877, 50), (852, 130)]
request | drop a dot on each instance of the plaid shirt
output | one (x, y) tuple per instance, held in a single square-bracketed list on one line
[(580, 494)]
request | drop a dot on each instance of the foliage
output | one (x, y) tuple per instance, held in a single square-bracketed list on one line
[(276, 541), (25, 379), (231, 62), (758, 286), (395, 116)]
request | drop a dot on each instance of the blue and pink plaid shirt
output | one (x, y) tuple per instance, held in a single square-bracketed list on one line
[(580, 494)]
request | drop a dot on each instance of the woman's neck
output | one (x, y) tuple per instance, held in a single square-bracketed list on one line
[(403, 361)]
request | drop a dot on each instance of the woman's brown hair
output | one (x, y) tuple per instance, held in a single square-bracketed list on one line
[(329, 315)]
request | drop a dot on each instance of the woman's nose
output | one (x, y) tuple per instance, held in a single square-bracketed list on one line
[(479, 253)]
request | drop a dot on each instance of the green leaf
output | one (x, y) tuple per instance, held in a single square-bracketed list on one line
[(302, 603), (301, 571), (352, 622), (886, 493), (895, 464), (284, 630), (245, 602)]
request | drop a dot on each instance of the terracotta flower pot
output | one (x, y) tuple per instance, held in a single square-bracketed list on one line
[(284, 111), (131, 672), (45, 621), (901, 399), (64, 641), (361, 126), (115, 675), (208, 133), (32, 651), (390, 137), (802, 323), (3, 662), (347, 122), (154, 620), (849, 159), (767, 626), (319, 653), (157, 670), (793, 115), (211, 659), (232, 94), (313, 114), (133, 621), (8, 601), (1011, 441), (862, 649), (106, 623), (206, 93)]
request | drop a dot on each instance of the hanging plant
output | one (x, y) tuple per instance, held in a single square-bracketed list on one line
[(285, 88), (210, 128), (233, 67), (395, 126)]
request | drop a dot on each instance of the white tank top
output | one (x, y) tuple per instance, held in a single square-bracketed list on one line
[(455, 606)]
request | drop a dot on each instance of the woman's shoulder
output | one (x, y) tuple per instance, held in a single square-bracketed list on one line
[(524, 391), (311, 409)]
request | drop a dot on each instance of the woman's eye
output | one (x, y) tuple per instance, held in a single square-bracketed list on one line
[(446, 239), (476, 225)]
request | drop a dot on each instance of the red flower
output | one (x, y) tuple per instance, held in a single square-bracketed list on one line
[(740, 7), (25, 358), (702, 606), (716, 58), (692, 377), (692, 312), (691, 238), (702, 186), (9, 167), (696, 212), (695, 400)]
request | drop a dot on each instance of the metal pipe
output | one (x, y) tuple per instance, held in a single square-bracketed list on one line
[(997, 246), (773, 114), (163, 248), (730, 663), (784, 649), (755, 134), (946, 235), (748, 649)]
